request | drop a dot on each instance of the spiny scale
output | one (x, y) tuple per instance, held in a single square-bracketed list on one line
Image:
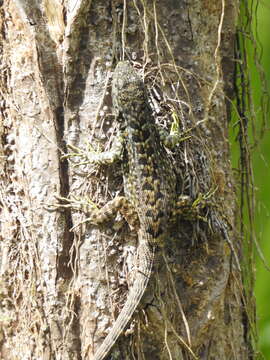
[(149, 183)]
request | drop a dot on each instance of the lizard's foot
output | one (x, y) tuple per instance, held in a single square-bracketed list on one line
[(84, 205), (80, 157)]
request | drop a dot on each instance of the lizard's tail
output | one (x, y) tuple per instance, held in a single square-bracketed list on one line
[(146, 257)]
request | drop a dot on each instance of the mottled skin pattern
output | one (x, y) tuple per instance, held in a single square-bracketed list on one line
[(149, 185), (149, 180)]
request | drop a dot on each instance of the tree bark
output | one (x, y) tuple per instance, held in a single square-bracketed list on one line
[(61, 290)]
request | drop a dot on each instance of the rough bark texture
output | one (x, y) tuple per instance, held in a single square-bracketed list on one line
[(61, 290)]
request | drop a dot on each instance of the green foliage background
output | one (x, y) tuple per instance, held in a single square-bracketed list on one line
[(261, 166)]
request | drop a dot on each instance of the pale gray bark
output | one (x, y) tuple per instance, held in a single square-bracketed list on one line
[(60, 290)]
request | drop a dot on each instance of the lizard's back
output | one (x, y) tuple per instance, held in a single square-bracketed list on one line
[(149, 183)]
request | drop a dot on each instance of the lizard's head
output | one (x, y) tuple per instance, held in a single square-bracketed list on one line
[(128, 90)]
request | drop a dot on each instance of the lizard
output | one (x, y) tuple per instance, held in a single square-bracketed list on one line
[(149, 179), (149, 184)]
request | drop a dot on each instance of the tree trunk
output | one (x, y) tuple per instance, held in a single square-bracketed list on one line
[(61, 290)]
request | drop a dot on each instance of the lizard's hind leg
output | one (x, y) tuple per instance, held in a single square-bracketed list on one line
[(189, 209), (99, 216)]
